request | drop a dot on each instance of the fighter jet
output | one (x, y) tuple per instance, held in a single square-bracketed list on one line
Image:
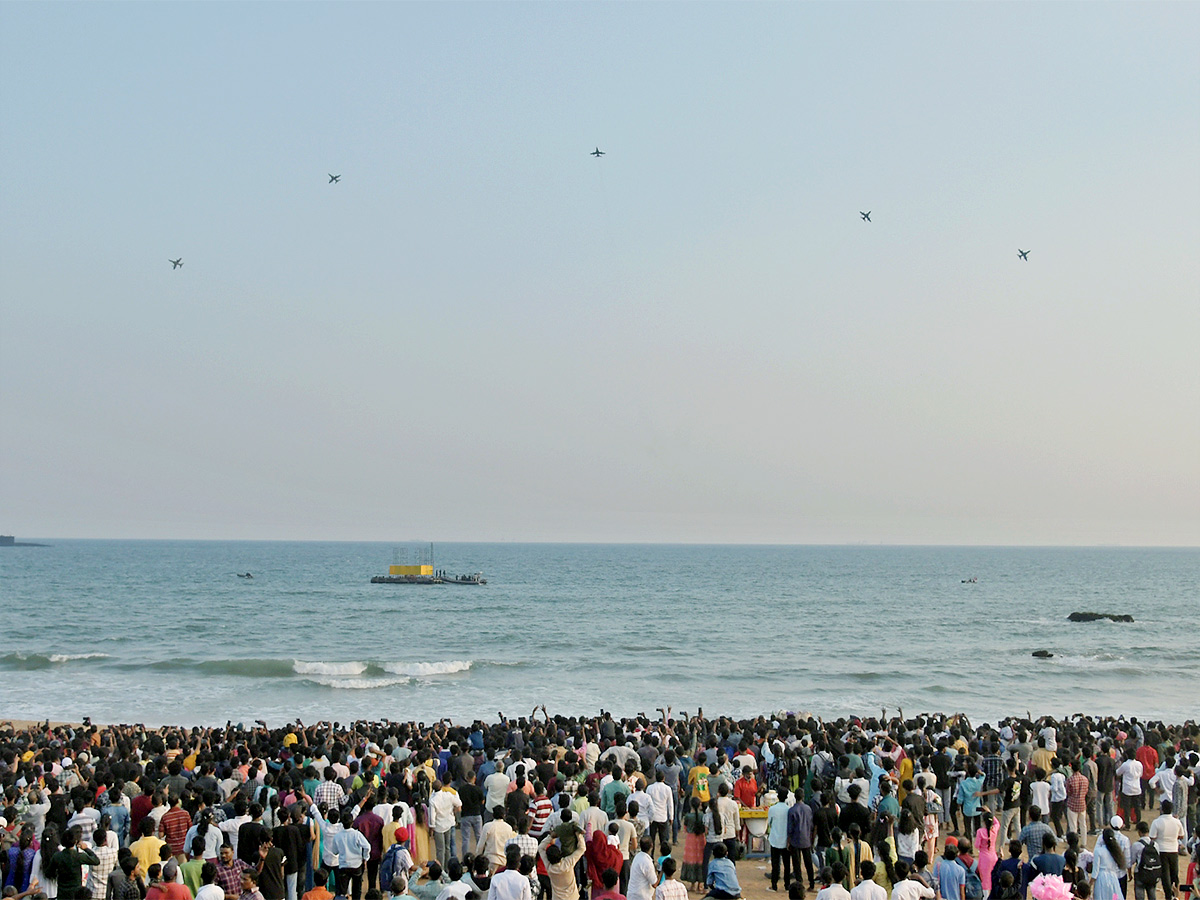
[(334, 179), (597, 153), (175, 263), (866, 215), (1024, 254)]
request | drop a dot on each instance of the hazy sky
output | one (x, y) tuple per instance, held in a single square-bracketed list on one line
[(483, 333)]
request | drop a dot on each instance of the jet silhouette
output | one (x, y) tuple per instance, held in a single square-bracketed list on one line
[(334, 179), (175, 263), (597, 153), (866, 215), (1024, 254)]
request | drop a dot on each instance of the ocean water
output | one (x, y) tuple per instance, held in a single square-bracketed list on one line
[(164, 631)]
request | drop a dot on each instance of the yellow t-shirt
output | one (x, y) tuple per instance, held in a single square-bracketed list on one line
[(145, 851)]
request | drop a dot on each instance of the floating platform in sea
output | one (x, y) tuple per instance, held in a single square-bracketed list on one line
[(423, 572), (438, 577)]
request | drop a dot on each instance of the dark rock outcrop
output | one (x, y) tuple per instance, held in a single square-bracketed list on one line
[(1092, 617), (1043, 654)]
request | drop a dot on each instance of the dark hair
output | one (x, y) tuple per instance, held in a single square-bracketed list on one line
[(1113, 847)]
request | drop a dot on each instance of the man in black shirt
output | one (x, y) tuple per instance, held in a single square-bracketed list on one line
[(271, 882), (292, 840), (251, 836), (470, 817)]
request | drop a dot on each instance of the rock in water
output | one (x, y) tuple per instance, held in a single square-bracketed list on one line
[(1043, 654), (1092, 617)]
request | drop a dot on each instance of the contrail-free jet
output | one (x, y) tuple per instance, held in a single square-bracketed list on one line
[(175, 263), (866, 215), (334, 179), (1024, 254), (597, 153)]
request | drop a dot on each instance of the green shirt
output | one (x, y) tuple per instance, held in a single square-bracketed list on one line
[(191, 874)]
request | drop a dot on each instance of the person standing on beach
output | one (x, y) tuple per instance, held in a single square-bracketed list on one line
[(1077, 799), (1106, 770), (800, 840), (1168, 834), (1130, 800), (777, 838)]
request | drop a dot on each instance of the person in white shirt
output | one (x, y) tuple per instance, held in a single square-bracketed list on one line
[(731, 815), (831, 883), (662, 808), (1164, 779), (1167, 831), (444, 802), (1050, 733), (209, 889), (641, 872), (909, 888), (1130, 796), (509, 883), (495, 789), (641, 800), (867, 888)]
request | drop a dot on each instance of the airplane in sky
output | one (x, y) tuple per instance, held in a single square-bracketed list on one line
[(334, 179), (1024, 254), (597, 153), (866, 215), (175, 263)]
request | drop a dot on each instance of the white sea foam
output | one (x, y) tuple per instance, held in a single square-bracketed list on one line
[(427, 668), (70, 657), (360, 684), (328, 668)]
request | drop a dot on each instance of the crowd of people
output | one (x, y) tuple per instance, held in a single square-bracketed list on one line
[(602, 808)]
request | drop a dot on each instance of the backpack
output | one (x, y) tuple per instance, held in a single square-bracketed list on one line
[(974, 885), (1149, 867), (387, 867), (933, 804)]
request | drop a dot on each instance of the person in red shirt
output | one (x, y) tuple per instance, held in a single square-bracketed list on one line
[(1148, 757), (173, 828), (745, 789), (140, 807), (168, 890)]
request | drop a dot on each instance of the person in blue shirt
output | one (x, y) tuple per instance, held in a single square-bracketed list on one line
[(722, 880), (949, 878), (777, 838), (1048, 862), (119, 815)]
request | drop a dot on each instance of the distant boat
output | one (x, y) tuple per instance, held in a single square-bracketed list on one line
[(8, 540), (423, 572)]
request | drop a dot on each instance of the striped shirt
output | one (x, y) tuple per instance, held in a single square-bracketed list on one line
[(540, 810)]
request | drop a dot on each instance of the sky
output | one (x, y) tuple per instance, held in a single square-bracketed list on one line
[(482, 333)]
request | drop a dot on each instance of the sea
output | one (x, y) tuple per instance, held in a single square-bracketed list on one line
[(165, 632)]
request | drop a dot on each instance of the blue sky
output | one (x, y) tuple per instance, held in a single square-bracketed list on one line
[(483, 333)]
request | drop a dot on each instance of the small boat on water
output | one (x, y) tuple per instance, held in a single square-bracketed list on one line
[(473, 578)]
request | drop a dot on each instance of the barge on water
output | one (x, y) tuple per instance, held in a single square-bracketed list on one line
[(438, 577), (400, 572)]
